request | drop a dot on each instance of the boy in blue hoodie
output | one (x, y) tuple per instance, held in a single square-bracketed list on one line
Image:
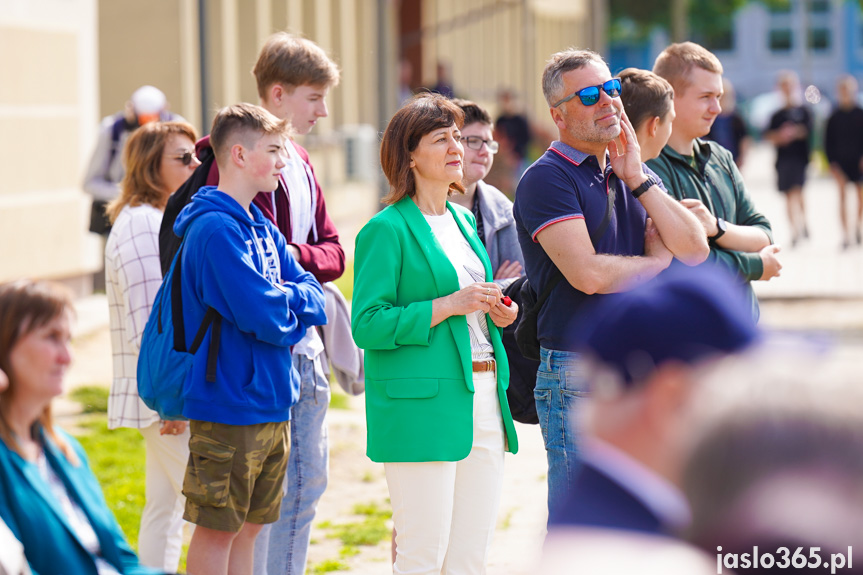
[(237, 262)]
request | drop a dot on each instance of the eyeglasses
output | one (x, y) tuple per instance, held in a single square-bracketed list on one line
[(590, 95), (186, 157), (475, 143)]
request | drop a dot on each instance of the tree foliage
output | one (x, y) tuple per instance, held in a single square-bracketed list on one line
[(709, 20)]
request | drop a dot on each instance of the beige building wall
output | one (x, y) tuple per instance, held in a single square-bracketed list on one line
[(505, 44), (48, 103), (147, 43)]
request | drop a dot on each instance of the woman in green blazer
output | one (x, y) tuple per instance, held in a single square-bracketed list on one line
[(427, 313)]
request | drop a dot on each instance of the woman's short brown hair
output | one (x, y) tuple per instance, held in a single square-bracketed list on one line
[(645, 95), (142, 158), (25, 306), (421, 115)]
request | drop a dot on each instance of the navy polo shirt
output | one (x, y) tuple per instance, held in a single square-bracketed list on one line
[(567, 184)]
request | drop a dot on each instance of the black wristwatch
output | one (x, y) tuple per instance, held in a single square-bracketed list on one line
[(648, 183), (721, 228)]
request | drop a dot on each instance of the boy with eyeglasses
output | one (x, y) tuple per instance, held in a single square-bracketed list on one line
[(702, 174), (293, 76), (592, 221), (491, 208)]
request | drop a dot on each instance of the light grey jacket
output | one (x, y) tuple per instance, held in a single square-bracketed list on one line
[(501, 239), (346, 358)]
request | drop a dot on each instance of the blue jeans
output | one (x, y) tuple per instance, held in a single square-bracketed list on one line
[(560, 383), (281, 548)]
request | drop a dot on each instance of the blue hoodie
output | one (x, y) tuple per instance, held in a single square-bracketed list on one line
[(241, 267)]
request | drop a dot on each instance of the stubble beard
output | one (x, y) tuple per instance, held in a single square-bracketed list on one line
[(590, 132), (595, 134)]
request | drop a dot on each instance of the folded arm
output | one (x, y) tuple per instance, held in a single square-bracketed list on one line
[(568, 245)]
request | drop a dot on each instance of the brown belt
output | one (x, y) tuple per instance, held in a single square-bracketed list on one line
[(487, 365)]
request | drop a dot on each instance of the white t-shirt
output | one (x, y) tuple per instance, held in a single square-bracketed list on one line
[(470, 270), (301, 197)]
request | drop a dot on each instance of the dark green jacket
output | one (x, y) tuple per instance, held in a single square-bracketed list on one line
[(419, 379), (718, 184)]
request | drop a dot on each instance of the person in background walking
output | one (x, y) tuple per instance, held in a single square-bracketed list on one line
[(106, 170), (843, 144), (789, 130)]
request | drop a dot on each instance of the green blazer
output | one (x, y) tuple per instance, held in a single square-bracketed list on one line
[(419, 379)]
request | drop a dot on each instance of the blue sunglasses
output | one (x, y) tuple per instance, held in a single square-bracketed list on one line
[(590, 95)]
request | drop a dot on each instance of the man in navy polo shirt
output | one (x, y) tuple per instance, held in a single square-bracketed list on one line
[(561, 200)]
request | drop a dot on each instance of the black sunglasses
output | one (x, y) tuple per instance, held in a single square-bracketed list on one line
[(590, 95), (185, 157)]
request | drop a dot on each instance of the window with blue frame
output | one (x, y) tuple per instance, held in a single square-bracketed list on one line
[(781, 40)]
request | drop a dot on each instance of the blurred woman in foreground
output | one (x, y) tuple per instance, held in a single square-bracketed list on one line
[(49, 498)]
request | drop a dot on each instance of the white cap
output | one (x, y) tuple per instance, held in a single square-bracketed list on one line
[(148, 100)]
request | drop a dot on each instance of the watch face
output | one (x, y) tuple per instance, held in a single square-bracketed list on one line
[(720, 223)]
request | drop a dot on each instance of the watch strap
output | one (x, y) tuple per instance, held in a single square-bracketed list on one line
[(720, 230), (648, 183)]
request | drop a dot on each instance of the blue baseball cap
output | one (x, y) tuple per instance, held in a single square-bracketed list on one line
[(686, 314)]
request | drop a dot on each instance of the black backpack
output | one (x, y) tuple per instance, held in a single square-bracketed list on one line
[(520, 338), (522, 371), (169, 243)]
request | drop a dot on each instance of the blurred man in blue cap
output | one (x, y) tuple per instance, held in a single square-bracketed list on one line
[(647, 351)]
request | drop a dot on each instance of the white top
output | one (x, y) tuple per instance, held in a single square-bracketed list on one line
[(658, 494), (299, 184), (75, 515), (12, 558), (133, 275), (470, 270)]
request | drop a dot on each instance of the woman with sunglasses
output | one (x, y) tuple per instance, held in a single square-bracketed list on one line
[(159, 157), (491, 208), (430, 319), (49, 497)]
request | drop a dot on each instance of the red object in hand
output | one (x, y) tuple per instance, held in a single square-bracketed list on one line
[(507, 301)]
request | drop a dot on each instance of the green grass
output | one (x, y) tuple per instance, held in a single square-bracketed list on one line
[(338, 399), (117, 459), (328, 566), (505, 522), (346, 282), (371, 530), (93, 398)]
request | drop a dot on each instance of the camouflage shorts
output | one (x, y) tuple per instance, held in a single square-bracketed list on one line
[(235, 474)]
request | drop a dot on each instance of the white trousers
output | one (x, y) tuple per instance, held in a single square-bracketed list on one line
[(445, 512), (160, 541)]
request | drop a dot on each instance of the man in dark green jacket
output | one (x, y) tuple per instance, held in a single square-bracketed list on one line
[(703, 175)]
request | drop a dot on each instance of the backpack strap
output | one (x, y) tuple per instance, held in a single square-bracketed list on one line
[(597, 235), (117, 129), (210, 317)]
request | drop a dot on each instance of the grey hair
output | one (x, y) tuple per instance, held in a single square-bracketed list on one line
[(560, 63)]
